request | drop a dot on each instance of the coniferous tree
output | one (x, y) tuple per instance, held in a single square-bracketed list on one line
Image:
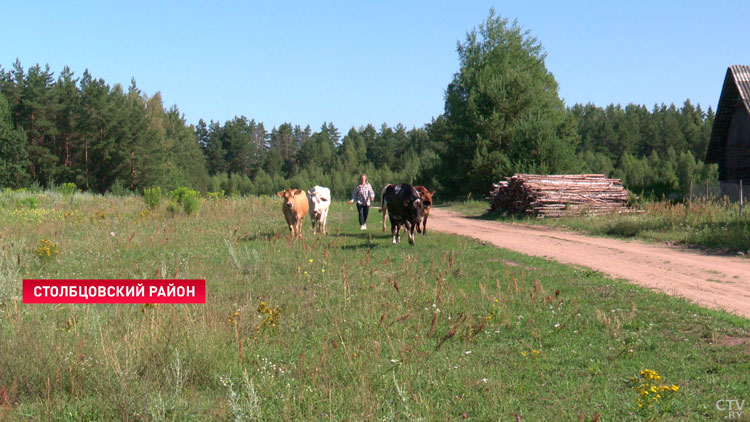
[(13, 156)]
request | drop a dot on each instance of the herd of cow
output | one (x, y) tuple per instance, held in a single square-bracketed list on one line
[(404, 204)]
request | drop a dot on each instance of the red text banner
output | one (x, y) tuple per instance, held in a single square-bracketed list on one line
[(114, 291)]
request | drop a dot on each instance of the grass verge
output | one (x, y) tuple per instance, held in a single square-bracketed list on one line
[(716, 226)]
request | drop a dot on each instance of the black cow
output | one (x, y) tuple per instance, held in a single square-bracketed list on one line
[(403, 205)]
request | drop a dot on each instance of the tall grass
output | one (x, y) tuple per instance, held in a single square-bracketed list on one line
[(365, 330), (709, 224)]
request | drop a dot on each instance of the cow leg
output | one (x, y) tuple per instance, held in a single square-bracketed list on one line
[(424, 224), (409, 228), (393, 232), (324, 221)]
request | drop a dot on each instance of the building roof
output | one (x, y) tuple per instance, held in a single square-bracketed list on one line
[(734, 94)]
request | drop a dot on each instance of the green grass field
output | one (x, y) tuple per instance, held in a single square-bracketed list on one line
[(717, 226), (358, 329)]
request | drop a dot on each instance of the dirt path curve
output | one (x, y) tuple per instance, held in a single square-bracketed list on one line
[(713, 281)]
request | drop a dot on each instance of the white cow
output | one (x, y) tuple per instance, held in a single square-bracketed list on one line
[(319, 199)]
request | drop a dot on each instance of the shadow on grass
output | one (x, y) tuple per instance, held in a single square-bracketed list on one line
[(366, 235), (269, 236), (366, 245)]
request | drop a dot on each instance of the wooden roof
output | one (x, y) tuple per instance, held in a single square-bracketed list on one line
[(734, 94)]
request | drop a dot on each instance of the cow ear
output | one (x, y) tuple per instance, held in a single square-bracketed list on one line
[(432, 193), (298, 191), (322, 198), (280, 194)]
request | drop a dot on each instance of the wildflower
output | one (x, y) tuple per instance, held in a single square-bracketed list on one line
[(270, 320), (311, 260), (649, 390), (233, 317), (46, 249)]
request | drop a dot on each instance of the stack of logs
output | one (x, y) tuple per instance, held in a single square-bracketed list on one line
[(558, 195)]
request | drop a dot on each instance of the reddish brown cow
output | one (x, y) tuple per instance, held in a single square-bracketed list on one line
[(295, 207), (426, 206)]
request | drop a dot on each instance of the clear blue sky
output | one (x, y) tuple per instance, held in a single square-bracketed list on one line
[(355, 62)]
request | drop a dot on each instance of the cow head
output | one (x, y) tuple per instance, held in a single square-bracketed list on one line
[(318, 199), (426, 196), (288, 196), (417, 208)]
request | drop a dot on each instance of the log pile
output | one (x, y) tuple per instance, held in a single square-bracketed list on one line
[(558, 195)]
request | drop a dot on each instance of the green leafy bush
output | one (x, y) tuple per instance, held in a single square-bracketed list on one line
[(188, 198), (68, 188), (30, 202), (216, 195), (152, 197), (172, 207)]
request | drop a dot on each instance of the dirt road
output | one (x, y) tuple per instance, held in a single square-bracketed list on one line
[(713, 281)]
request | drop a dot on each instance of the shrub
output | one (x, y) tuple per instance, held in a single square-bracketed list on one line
[(68, 188), (191, 204), (216, 195), (118, 189), (172, 207), (152, 197), (30, 202), (188, 198)]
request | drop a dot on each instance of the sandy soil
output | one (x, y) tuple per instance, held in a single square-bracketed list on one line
[(719, 282)]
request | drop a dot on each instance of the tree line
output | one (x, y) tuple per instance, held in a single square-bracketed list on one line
[(502, 115)]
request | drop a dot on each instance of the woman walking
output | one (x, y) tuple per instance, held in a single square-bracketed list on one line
[(363, 195)]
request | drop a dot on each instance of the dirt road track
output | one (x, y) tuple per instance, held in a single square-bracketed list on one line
[(718, 282)]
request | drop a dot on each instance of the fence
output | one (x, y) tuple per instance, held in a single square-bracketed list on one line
[(734, 191)]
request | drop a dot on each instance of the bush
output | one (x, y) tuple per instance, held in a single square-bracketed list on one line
[(152, 197), (188, 198), (216, 195), (191, 204), (68, 188), (118, 189), (172, 207), (30, 202)]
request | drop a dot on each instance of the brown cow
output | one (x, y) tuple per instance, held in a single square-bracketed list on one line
[(426, 205), (295, 208)]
